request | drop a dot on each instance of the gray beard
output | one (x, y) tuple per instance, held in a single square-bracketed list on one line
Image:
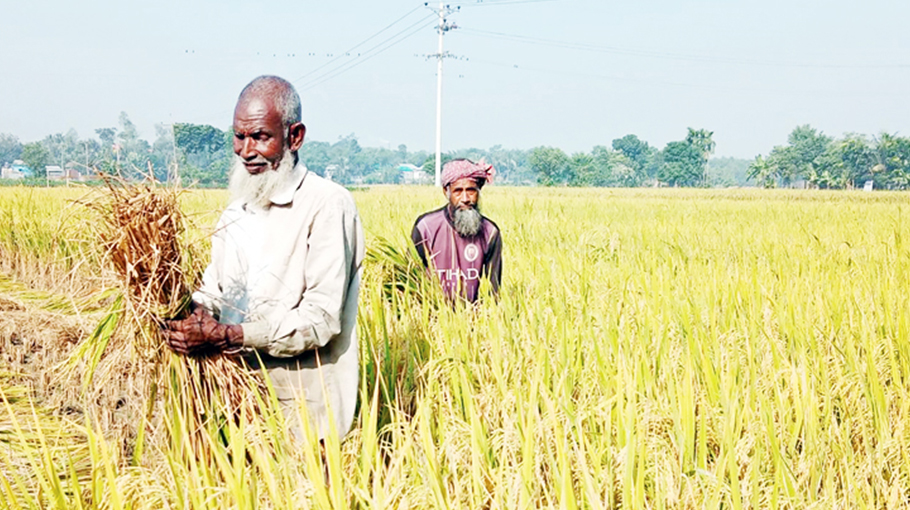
[(258, 189), (467, 221)]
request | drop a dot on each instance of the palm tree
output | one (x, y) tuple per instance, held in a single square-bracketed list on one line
[(763, 171), (702, 140)]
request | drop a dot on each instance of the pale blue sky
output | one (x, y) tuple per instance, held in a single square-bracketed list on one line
[(566, 73)]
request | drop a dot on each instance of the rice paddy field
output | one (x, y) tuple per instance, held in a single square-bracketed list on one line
[(650, 349)]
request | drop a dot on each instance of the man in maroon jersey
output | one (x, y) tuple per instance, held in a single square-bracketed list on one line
[(456, 242)]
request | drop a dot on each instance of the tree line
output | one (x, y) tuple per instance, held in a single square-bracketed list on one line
[(201, 155), (629, 162), (812, 158), (113, 150)]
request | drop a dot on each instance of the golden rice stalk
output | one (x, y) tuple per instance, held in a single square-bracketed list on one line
[(400, 271), (141, 233), (29, 432)]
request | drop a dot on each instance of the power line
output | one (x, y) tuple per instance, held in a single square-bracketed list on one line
[(482, 3), (665, 55), (351, 65), (361, 43), (365, 56)]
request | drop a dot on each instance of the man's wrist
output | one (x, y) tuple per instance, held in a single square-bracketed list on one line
[(234, 335)]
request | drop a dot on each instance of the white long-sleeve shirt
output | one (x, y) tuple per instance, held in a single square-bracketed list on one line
[(290, 276)]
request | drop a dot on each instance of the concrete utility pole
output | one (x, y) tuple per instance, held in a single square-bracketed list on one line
[(175, 168), (442, 28)]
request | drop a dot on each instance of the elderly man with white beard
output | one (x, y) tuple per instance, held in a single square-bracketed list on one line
[(456, 242), (281, 289)]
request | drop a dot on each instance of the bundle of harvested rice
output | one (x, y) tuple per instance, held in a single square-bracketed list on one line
[(143, 246), (142, 235)]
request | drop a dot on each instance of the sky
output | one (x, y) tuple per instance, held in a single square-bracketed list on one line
[(521, 73)]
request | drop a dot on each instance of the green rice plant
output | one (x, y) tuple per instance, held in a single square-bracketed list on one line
[(649, 349), (399, 270), (42, 459)]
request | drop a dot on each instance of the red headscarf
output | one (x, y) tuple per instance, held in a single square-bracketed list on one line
[(467, 169)]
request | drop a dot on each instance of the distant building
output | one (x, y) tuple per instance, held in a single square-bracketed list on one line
[(412, 174), (17, 170), (7, 172), (73, 174), (54, 173), (330, 171)]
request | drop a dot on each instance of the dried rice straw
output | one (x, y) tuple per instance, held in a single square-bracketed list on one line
[(142, 236)]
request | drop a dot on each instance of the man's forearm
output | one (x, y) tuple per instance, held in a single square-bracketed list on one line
[(300, 330)]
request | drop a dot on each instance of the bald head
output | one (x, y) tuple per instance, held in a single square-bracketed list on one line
[(278, 93), (267, 126)]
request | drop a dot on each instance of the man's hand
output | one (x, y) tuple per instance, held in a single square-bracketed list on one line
[(201, 334)]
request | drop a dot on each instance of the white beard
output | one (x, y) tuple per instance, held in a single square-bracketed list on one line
[(258, 189), (467, 221)]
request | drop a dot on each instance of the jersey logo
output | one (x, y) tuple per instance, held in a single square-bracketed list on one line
[(471, 252)]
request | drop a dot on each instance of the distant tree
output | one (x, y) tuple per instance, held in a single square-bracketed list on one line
[(163, 153), (204, 152), (702, 140), (106, 154), (551, 165), (763, 172), (133, 154), (128, 131), (36, 157), (107, 136), (639, 154), (854, 159), (892, 154), (198, 138), (825, 162), (89, 155), (387, 175), (584, 171), (315, 155), (429, 163), (343, 154), (802, 157), (728, 171), (416, 158), (502, 161), (62, 148), (681, 164), (10, 148), (624, 173), (512, 166), (373, 160)]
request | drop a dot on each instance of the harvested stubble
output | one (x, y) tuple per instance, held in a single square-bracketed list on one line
[(142, 234)]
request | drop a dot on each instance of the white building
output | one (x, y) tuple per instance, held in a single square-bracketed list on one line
[(413, 174), (17, 170), (54, 173)]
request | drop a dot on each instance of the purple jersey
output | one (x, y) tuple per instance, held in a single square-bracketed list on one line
[(458, 261)]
